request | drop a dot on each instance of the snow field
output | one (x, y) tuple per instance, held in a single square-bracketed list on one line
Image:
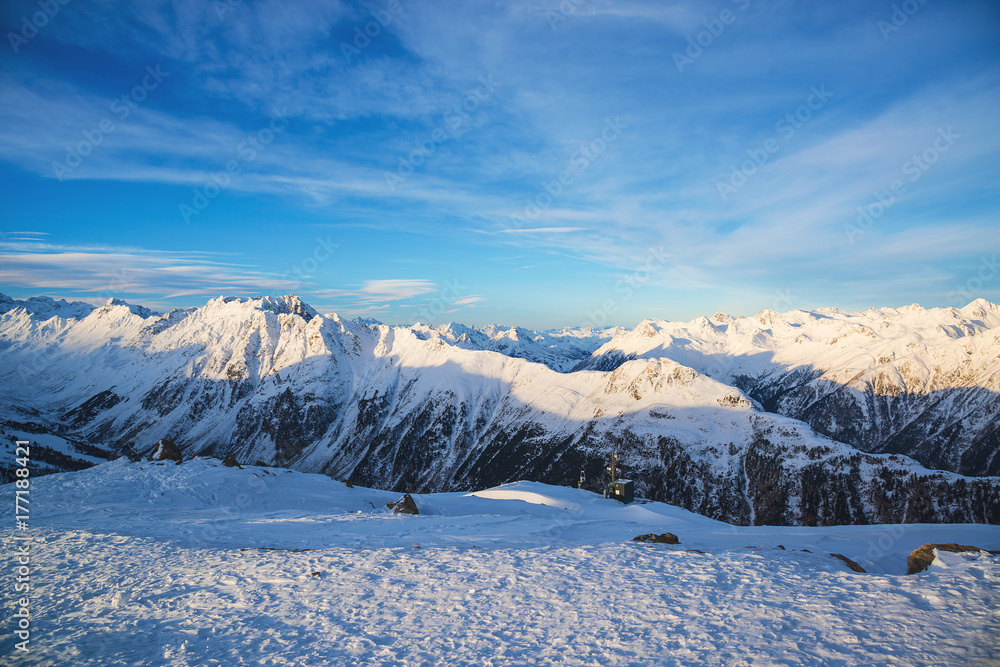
[(198, 564), (113, 600)]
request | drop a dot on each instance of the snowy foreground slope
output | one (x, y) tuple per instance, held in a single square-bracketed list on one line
[(422, 409), (198, 564)]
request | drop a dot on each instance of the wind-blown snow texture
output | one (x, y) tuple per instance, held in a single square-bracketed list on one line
[(199, 564), (443, 408)]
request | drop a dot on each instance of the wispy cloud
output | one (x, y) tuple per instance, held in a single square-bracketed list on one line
[(544, 230), (376, 292), (162, 278), (122, 272), (407, 101)]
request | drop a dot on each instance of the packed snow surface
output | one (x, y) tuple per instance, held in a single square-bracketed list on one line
[(199, 564)]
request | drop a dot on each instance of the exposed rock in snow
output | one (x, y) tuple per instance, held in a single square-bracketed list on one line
[(404, 505), (853, 565), (922, 557), (663, 538), (166, 450)]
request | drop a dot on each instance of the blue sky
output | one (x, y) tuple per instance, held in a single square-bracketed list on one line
[(541, 163)]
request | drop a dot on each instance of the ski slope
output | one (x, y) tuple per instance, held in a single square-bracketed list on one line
[(199, 564)]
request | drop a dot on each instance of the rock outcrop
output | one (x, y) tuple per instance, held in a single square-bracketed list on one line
[(663, 538), (405, 505), (922, 557), (166, 450)]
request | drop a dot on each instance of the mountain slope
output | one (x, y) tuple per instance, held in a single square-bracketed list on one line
[(924, 383), (270, 379), (559, 349)]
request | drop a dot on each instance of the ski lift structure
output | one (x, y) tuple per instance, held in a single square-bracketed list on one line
[(622, 490)]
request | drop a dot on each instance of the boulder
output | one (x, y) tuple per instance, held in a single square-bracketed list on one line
[(260, 464), (921, 557), (231, 462), (166, 450), (404, 505), (665, 538)]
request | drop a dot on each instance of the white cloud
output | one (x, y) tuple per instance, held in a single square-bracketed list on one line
[(115, 272), (374, 292), (655, 185), (544, 230)]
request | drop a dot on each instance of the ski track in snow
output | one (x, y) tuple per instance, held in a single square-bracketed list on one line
[(145, 564)]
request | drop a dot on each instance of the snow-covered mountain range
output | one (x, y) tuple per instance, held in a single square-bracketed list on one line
[(925, 383), (420, 408)]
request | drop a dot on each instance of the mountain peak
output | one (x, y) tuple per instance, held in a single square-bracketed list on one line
[(288, 304), (296, 306), (46, 307), (979, 308), (648, 328), (518, 334), (767, 316), (141, 311)]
